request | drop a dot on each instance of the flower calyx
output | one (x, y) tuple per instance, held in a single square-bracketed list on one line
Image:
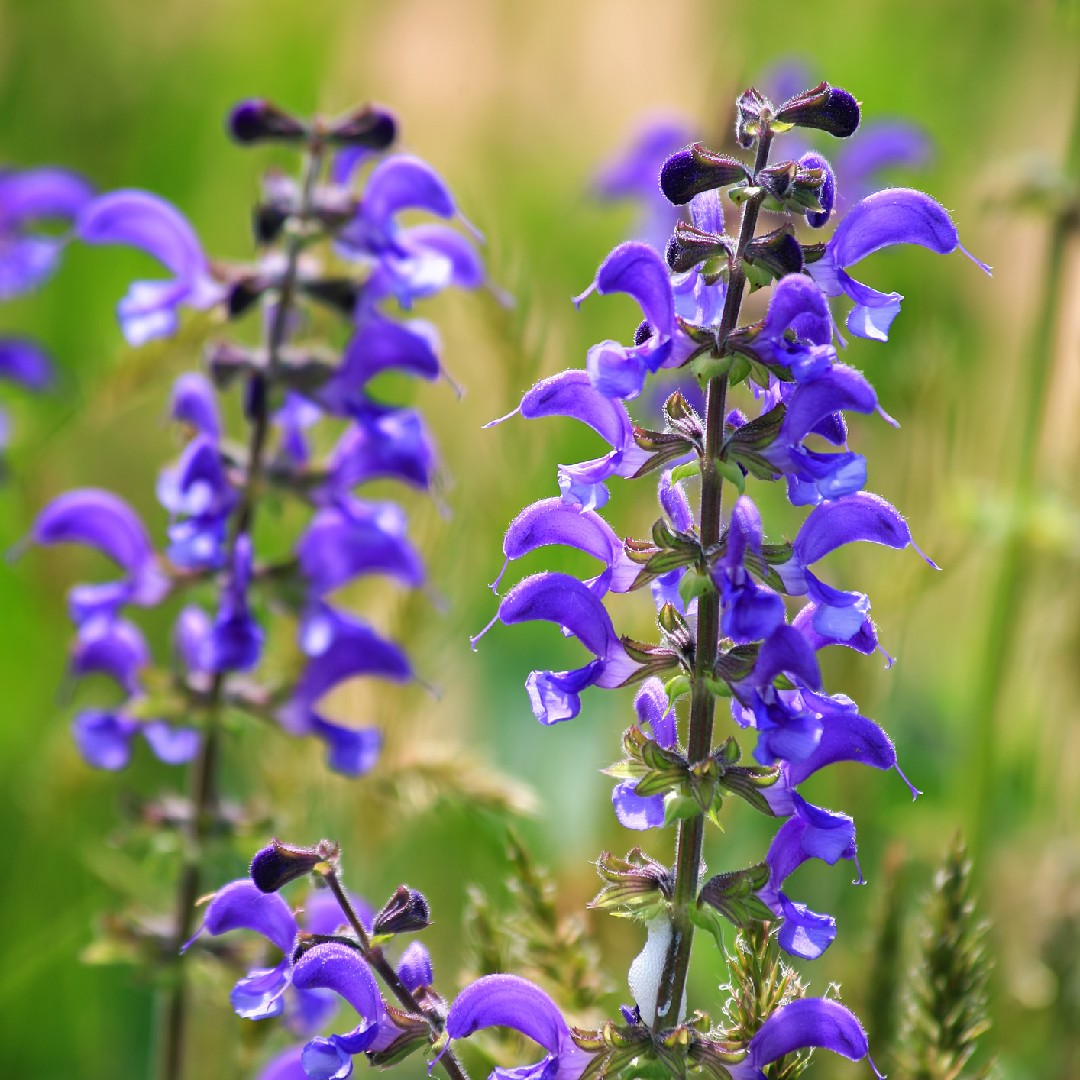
[(277, 864), (415, 1033), (613, 1047), (773, 256), (668, 550), (690, 247), (635, 887), (745, 781), (696, 169), (734, 896), (405, 912)]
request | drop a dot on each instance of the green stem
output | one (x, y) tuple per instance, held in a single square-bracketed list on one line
[(203, 785), (691, 835), (376, 959), (1007, 595)]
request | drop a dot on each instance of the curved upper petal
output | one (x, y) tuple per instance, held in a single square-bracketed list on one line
[(636, 269), (337, 967), (508, 1001), (570, 393), (146, 222), (565, 601), (194, 403), (805, 1022), (29, 194), (862, 516), (241, 906), (892, 216), (403, 182)]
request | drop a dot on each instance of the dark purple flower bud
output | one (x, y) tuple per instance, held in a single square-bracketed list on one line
[(414, 968), (367, 126), (827, 194), (277, 864), (406, 911), (825, 107), (695, 169), (256, 120)]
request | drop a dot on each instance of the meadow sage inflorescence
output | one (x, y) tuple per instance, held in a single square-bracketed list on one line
[(721, 590), (330, 245), (719, 584)]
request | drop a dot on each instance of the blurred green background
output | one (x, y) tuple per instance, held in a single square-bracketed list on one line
[(516, 104)]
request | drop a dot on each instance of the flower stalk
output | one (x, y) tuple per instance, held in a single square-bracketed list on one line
[(205, 767), (691, 834)]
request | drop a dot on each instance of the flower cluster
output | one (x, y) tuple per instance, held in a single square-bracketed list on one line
[(329, 246), (332, 951), (878, 147), (741, 618), (32, 203)]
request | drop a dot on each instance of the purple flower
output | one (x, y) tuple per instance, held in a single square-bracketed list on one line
[(837, 616), (554, 521), (199, 497), (509, 1001), (749, 611), (788, 728), (637, 811), (236, 639), (570, 393), (262, 993), (812, 833), (561, 599), (351, 538), (339, 647), (337, 967), (104, 739), (383, 442), (636, 269), (805, 1022), (144, 221), (101, 520), (411, 263), (891, 216), (28, 197)]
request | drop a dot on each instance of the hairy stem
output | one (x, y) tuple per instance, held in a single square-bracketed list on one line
[(203, 782), (376, 960), (691, 833)]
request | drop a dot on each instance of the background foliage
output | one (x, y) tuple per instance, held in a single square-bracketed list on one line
[(517, 104)]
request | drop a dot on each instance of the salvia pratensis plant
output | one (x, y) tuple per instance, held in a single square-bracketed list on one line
[(332, 252), (722, 591)]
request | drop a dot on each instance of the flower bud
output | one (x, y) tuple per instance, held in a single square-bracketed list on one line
[(367, 126), (825, 107), (695, 169), (827, 193), (277, 864), (407, 910), (256, 120)]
